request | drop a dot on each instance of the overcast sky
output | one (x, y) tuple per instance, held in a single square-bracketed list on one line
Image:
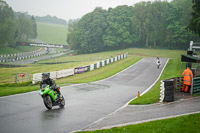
[(65, 9)]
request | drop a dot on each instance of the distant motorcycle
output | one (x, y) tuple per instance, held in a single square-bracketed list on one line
[(158, 64), (50, 97)]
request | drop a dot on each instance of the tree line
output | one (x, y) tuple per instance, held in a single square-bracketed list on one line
[(158, 24), (195, 20), (50, 19), (55, 20), (15, 26)]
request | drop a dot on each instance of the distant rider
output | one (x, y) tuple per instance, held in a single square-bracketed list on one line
[(47, 80), (158, 62)]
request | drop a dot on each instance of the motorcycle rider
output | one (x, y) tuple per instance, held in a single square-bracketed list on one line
[(158, 62), (47, 80)]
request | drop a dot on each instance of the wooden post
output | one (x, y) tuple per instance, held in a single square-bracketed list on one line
[(180, 78), (175, 83)]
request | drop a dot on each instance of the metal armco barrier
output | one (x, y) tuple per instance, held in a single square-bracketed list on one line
[(195, 88)]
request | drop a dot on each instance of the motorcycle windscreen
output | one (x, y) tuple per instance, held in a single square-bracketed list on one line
[(44, 85)]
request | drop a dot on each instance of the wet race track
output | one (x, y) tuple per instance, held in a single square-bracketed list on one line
[(85, 103)]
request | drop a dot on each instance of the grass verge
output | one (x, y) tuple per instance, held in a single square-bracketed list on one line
[(19, 49), (182, 124)]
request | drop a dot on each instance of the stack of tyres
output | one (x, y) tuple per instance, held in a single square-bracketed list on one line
[(169, 90)]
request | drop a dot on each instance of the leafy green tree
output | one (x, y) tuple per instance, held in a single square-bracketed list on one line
[(178, 19), (159, 24), (7, 24), (25, 27), (72, 37), (51, 19), (195, 21), (89, 31), (34, 27), (142, 16), (119, 30)]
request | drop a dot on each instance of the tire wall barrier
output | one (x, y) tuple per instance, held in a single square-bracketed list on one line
[(69, 72), (167, 90)]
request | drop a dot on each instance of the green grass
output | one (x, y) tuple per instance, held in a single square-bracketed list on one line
[(5, 91), (84, 57), (156, 52), (11, 50), (52, 33), (182, 124)]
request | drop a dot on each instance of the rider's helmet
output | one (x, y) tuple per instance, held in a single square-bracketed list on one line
[(45, 76)]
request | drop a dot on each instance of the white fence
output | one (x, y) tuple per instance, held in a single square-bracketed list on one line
[(68, 72), (54, 75)]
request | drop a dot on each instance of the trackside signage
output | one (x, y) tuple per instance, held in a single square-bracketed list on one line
[(79, 70)]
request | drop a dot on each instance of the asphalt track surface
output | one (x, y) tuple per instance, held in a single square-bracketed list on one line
[(135, 114), (85, 103)]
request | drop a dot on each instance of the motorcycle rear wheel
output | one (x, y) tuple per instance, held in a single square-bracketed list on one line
[(48, 102)]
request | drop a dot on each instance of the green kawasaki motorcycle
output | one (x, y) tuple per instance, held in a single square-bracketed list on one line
[(50, 97)]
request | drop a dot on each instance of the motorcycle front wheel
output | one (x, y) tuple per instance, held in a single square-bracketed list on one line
[(62, 102), (48, 102)]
